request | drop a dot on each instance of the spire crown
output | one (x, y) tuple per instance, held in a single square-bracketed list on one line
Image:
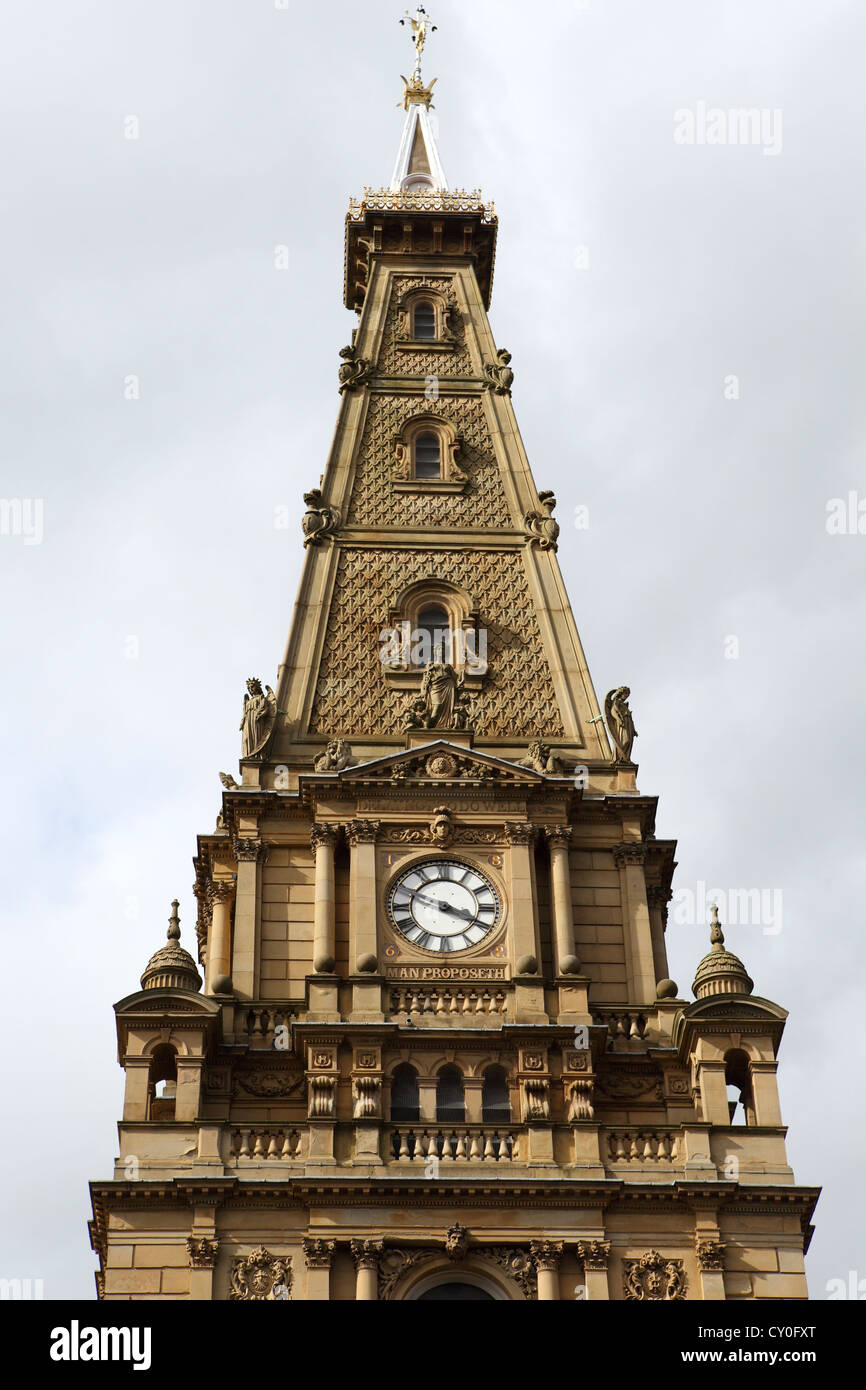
[(171, 967), (720, 971)]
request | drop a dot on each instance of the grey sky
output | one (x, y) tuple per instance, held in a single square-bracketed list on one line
[(634, 276)]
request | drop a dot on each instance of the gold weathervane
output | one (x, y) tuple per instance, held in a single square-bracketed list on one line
[(415, 89)]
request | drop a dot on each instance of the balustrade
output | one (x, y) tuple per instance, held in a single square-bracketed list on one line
[(264, 1145), (631, 1024), (417, 1145), (416, 1000), (642, 1146)]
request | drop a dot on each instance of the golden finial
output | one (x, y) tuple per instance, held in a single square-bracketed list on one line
[(414, 89), (420, 24)]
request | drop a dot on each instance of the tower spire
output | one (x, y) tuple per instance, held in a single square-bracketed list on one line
[(418, 164)]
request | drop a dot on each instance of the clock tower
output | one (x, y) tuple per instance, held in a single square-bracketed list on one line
[(433, 1050)]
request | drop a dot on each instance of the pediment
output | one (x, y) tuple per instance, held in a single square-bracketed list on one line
[(442, 761)]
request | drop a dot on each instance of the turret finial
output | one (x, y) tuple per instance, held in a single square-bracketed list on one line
[(420, 23), (717, 936), (173, 932)]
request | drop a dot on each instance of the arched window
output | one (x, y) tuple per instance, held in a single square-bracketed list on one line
[(428, 456), (404, 1094), (163, 1082), (495, 1104), (432, 636), (739, 1088), (424, 320), (450, 1103)]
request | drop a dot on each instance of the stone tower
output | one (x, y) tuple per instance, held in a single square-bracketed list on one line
[(437, 1054)]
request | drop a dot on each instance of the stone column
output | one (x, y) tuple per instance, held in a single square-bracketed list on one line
[(324, 838), (594, 1255), (629, 859), (366, 1254), (710, 1254), (657, 900), (318, 1255), (248, 852), (547, 1254), (558, 841), (525, 946), (137, 1093), (219, 946), (363, 936)]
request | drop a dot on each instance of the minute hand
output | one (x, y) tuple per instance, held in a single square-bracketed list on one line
[(448, 907)]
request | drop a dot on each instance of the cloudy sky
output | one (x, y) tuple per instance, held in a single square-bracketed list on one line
[(686, 324)]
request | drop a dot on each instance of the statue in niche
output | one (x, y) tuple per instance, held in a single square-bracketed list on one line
[(336, 756), (499, 376), (541, 759), (620, 723), (542, 527), (443, 702), (260, 715), (319, 520)]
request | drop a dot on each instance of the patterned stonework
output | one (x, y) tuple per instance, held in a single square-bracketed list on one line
[(396, 361), (351, 693), (374, 501)]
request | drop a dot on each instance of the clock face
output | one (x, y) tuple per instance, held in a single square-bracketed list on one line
[(443, 906)]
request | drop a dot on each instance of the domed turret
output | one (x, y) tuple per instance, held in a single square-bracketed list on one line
[(171, 967), (720, 971)]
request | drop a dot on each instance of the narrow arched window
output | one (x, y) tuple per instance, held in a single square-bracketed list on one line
[(424, 320), (495, 1103), (450, 1103), (404, 1094), (163, 1082), (739, 1088), (432, 637), (428, 456)]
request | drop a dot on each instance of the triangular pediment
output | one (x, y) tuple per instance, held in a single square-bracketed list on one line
[(442, 761)]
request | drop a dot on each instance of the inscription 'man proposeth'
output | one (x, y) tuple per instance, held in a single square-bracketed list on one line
[(446, 972)]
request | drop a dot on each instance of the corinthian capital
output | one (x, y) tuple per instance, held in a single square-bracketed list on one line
[(319, 1253), (366, 1253), (221, 890), (629, 854), (250, 851), (546, 1253), (593, 1254), (323, 836), (558, 836), (362, 832), (519, 832)]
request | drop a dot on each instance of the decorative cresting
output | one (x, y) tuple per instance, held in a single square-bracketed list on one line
[(203, 1251), (710, 1254), (320, 520), (258, 720), (620, 723), (171, 967), (653, 1278), (351, 691), (541, 528), (261, 1278), (720, 972)]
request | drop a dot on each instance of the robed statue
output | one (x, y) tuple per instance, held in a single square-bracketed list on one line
[(620, 723), (260, 715)]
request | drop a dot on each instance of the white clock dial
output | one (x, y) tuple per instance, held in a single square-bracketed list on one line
[(443, 906)]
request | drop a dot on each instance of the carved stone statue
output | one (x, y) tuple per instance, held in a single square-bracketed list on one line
[(499, 377), (260, 715), (228, 782), (442, 827), (620, 723), (336, 756), (354, 371), (541, 759), (542, 528), (443, 702), (319, 520), (456, 1241)]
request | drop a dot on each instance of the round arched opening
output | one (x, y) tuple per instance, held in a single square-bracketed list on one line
[(456, 1293)]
